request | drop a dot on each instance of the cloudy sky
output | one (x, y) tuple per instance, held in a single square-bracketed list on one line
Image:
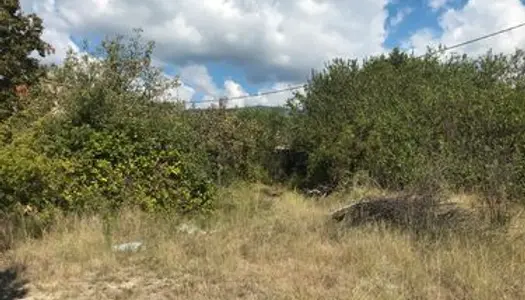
[(234, 47)]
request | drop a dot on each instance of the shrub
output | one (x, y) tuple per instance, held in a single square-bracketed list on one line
[(109, 142), (238, 143), (398, 116), (28, 179)]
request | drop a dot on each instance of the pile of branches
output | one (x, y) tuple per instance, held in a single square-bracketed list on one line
[(417, 213)]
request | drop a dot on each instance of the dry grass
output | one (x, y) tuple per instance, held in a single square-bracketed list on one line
[(266, 248)]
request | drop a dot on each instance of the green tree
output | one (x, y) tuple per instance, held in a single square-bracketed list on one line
[(403, 118), (109, 143), (20, 35)]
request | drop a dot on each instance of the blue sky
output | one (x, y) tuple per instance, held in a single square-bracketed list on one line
[(420, 16), (234, 47)]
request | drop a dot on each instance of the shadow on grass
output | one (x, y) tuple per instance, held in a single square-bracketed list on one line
[(12, 286)]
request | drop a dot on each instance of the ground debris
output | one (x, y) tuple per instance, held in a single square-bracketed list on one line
[(128, 247), (413, 212)]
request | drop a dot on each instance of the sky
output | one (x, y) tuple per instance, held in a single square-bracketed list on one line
[(238, 47)]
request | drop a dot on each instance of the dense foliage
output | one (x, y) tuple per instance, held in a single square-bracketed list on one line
[(19, 37), (104, 141), (402, 118), (95, 135)]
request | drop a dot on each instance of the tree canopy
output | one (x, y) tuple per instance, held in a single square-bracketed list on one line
[(20, 36)]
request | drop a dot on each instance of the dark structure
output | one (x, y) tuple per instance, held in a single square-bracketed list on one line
[(289, 163)]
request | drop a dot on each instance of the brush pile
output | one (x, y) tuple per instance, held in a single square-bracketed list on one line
[(413, 212)]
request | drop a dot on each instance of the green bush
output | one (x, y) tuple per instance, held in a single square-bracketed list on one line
[(28, 179), (398, 116), (106, 141), (112, 170), (109, 143), (238, 143)]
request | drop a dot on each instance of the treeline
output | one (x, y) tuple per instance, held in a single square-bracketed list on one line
[(93, 134), (412, 121)]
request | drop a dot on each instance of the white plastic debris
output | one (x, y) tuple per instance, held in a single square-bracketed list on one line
[(190, 229), (128, 247)]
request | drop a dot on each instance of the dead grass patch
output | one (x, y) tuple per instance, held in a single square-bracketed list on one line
[(265, 246)]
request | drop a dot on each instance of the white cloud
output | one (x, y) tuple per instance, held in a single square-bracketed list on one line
[(198, 77), (420, 40), (184, 92), (437, 4), (270, 39), (274, 99), (475, 19), (233, 90), (60, 42), (181, 93), (400, 16), (56, 31)]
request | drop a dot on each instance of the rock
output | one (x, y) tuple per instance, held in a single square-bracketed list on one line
[(128, 247), (190, 229), (319, 192)]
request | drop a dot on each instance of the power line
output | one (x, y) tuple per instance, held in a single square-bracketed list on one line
[(277, 91), (291, 88), (296, 87), (482, 37)]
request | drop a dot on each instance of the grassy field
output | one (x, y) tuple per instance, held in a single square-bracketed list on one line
[(262, 246)]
